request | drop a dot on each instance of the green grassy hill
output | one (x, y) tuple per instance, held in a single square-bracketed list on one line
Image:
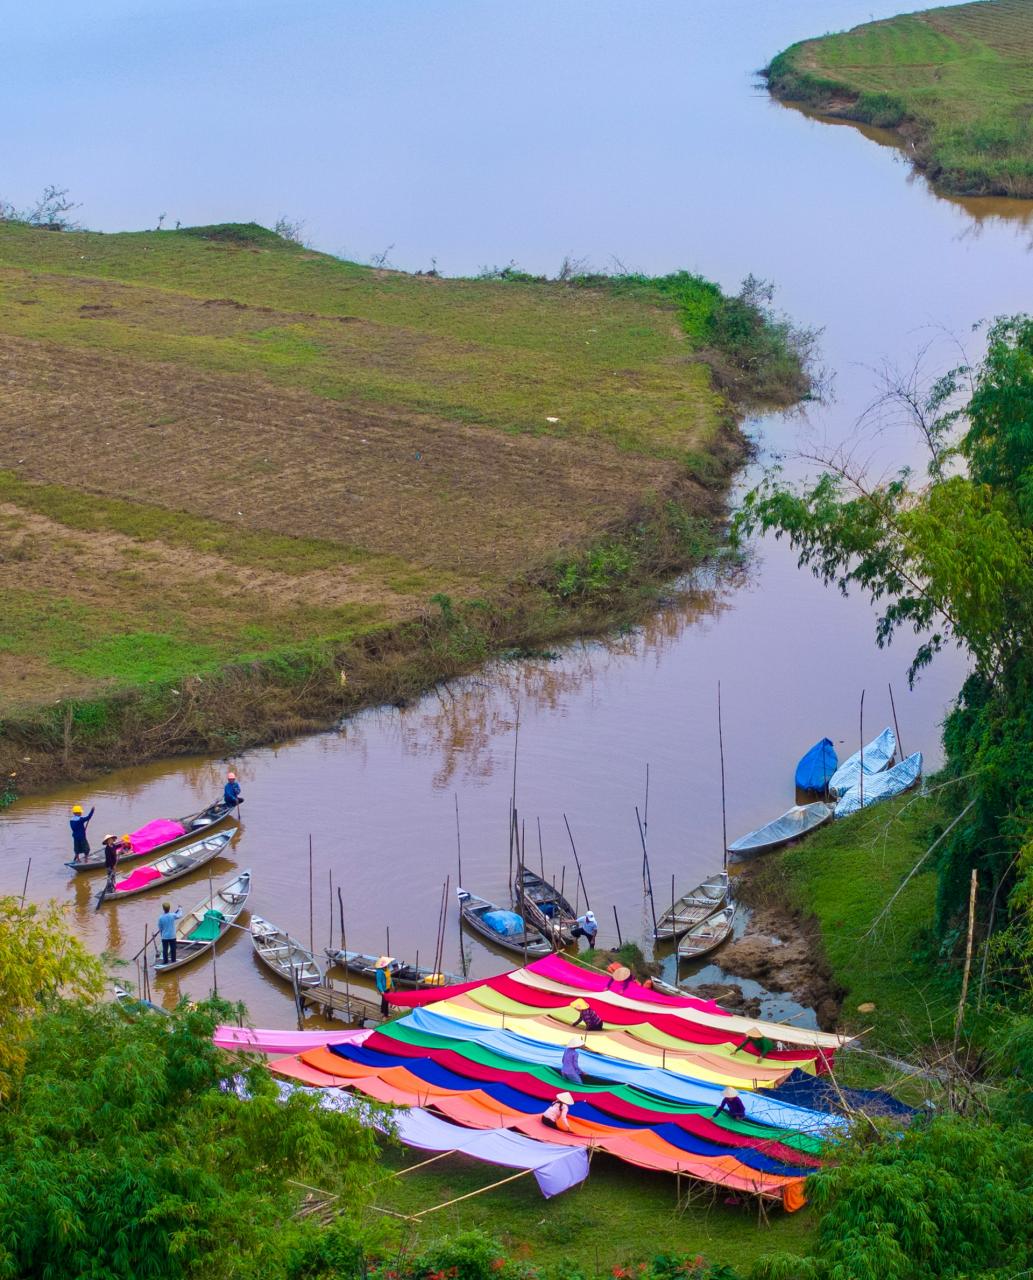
[(232, 467), (956, 82)]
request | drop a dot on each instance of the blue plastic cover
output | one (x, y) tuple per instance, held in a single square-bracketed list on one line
[(507, 923), (817, 767), (891, 782)]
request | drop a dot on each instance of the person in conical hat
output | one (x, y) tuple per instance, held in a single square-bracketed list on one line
[(569, 1068), (732, 1103), (385, 983), (555, 1115), (586, 1016)]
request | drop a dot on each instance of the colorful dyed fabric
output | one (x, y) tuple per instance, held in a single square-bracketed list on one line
[(138, 879), (257, 1040), (156, 833)]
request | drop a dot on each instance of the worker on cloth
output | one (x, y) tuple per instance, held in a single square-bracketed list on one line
[(167, 931), (732, 1103), (620, 976), (569, 1067), (231, 793), (79, 822), (555, 1115), (586, 1017), (586, 927), (384, 981)]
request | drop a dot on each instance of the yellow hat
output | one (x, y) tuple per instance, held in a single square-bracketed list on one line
[(77, 808), (126, 837), (580, 1004)]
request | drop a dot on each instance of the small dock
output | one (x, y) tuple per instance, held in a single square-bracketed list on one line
[(340, 1003)]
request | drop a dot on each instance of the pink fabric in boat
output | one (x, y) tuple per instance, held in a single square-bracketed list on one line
[(155, 833), (258, 1040), (558, 969), (137, 879)]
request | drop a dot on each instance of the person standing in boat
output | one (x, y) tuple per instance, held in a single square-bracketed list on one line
[(384, 981), (167, 931), (79, 822), (111, 851), (231, 792)]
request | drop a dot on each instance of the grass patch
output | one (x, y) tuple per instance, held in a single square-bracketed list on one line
[(619, 1216), (957, 80), (843, 876)]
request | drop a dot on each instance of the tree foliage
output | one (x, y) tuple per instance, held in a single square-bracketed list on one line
[(948, 556), (39, 959), (125, 1151)]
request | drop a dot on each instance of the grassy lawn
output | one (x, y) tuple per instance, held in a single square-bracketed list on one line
[(958, 81), (845, 875), (619, 1216)]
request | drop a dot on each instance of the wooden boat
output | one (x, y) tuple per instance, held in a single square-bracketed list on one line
[(403, 975), (707, 897), (542, 905), (166, 868), (795, 823), (891, 782), (191, 824), (199, 931), (708, 934), (285, 955), (513, 932)]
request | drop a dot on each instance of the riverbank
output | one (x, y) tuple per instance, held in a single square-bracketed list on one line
[(248, 488), (952, 83)]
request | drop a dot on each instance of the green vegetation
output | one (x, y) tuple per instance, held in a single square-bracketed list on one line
[(955, 81), (240, 474)]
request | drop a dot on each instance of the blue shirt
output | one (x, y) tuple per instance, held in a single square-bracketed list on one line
[(78, 825), (382, 979), (167, 923), (231, 792)]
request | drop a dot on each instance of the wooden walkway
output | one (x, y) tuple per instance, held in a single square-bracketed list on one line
[(339, 1003)]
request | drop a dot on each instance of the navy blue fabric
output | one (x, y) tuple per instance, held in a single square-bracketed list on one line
[(817, 766), (819, 1094)]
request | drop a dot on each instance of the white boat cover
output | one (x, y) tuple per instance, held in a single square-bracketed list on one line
[(877, 755), (793, 824), (890, 783)]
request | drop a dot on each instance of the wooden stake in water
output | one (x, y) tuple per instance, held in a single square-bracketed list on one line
[(215, 963), (459, 843), (649, 874), (577, 863), (311, 907), (620, 940), (541, 851), (896, 727), (25, 886), (724, 805), (330, 934), (344, 947)]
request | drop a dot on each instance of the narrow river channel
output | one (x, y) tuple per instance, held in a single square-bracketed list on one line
[(688, 165)]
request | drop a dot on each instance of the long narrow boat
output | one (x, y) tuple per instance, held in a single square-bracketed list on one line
[(707, 935), (707, 897), (503, 928), (893, 782), (286, 956), (405, 975), (542, 905), (170, 866), (163, 833), (816, 769), (199, 930), (874, 757), (795, 823)]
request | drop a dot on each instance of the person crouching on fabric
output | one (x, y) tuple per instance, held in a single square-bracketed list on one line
[(555, 1115), (231, 792), (733, 1104), (586, 1017)]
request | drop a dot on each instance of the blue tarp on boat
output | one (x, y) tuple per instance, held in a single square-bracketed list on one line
[(891, 782), (817, 767), (506, 923), (876, 757)]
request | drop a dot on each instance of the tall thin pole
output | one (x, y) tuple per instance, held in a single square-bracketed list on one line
[(649, 874), (645, 812), (344, 947), (459, 843), (25, 886), (620, 940), (896, 727), (330, 933), (860, 727), (968, 958), (541, 851), (577, 862), (311, 908), (215, 962), (459, 885), (724, 806)]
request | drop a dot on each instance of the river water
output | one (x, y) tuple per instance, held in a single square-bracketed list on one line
[(704, 171)]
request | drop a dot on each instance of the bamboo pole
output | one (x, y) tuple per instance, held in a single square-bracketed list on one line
[(861, 756), (896, 727), (649, 874), (344, 947), (968, 958), (215, 962), (25, 885), (311, 916), (620, 940), (724, 807), (577, 862), (480, 1191)]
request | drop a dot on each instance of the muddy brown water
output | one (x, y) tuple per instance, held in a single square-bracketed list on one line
[(859, 245)]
